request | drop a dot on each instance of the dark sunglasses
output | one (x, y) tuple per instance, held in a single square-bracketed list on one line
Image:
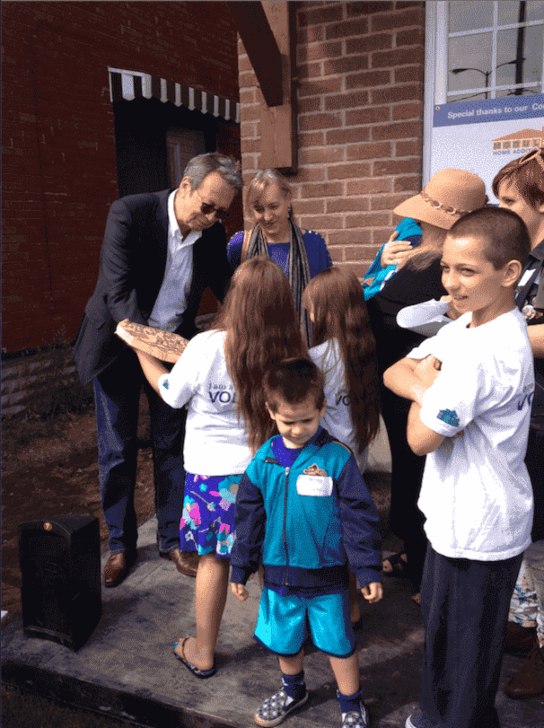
[(206, 208)]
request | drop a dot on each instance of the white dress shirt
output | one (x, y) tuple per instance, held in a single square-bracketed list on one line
[(172, 299)]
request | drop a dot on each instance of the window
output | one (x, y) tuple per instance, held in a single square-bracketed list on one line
[(495, 49), (484, 56)]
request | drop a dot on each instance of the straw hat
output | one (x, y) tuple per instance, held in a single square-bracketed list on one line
[(446, 197)]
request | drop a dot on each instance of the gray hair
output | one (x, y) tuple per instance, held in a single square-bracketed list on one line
[(264, 178), (202, 165)]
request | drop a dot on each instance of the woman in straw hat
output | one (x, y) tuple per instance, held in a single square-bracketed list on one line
[(449, 194)]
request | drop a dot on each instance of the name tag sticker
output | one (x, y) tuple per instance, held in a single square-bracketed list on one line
[(320, 485)]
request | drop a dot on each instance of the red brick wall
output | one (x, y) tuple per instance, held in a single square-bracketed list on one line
[(59, 162), (360, 108)]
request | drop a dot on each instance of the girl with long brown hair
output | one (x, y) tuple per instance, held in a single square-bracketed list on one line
[(345, 351), (219, 379)]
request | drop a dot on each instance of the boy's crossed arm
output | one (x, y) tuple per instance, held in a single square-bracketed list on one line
[(411, 378)]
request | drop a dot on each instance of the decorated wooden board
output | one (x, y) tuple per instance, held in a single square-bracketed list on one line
[(158, 343)]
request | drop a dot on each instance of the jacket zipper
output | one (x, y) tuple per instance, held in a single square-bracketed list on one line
[(284, 534)]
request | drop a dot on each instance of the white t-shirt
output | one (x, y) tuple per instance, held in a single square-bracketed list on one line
[(476, 493), (337, 418), (215, 437)]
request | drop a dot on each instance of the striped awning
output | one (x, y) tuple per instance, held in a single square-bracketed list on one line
[(130, 85)]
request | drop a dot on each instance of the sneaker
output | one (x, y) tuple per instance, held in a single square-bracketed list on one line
[(276, 708), (418, 720), (356, 719)]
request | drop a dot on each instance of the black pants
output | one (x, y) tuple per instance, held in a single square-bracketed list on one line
[(535, 465), (465, 609)]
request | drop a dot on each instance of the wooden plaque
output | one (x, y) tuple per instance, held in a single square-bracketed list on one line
[(158, 343)]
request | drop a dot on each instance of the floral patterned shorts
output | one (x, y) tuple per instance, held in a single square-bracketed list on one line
[(207, 520)]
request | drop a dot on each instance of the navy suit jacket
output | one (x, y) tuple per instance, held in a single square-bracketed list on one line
[(132, 266)]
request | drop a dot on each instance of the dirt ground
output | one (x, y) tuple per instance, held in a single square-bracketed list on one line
[(50, 469)]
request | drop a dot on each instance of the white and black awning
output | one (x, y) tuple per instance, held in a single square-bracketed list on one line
[(129, 85)]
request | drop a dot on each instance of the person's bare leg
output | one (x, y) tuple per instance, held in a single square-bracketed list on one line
[(346, 673), (210, 595), (292, 664)]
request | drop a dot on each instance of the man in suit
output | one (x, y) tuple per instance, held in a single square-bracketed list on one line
[(160, 251)]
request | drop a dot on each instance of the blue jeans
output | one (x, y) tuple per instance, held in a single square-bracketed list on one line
[(117, 395)]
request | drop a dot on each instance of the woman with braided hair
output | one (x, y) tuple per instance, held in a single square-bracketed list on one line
[(301, 254)]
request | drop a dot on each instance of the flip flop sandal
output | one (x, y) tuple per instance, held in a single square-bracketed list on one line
[(399, 566), (197, 671)]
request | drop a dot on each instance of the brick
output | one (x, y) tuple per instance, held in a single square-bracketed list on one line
[(413, 36), (375, 42), (320, 86), (366, 79), (411, 184), (316, 51), (370, 115), (409, 73), (348, 135), (311, 174), (347, 101), (323, 14), (308, 207), (346, 64), (319, 121), (326, 222), (406, 130), (310, 33), (395, 166), (409, 148), (369, 8), (347, 204), (320, 155), (326, 189), (386, 202), (394, 94), (347, 237), (348, 171), (372, 150), (310, 104), (311, 139), (397, 19), (412, 110), (346, 28), (367, 186), (396, 57), (365, 219)]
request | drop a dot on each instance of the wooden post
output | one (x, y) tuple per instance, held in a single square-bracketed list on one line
[(279, 123)]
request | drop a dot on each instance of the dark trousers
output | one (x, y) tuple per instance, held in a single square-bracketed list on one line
[(405, 518), (465, 609), (535, 465), (117, 395)]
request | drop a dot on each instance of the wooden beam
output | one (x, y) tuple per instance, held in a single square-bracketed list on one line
[(279, 123), (261, 47)]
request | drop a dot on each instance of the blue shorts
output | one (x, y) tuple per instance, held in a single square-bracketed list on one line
[(285, 622)]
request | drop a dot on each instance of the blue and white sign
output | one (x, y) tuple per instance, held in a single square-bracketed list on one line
[(482, 136)]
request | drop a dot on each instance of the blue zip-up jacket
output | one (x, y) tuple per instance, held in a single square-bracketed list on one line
[(307, 522)]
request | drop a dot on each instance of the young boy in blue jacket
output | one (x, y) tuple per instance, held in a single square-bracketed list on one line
[(304, 511)]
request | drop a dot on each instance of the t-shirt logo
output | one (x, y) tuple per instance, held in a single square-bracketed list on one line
[(450, 417), (315, 470)]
